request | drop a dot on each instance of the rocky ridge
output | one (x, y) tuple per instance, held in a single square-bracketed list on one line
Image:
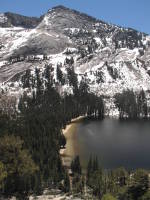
[(109, 57)]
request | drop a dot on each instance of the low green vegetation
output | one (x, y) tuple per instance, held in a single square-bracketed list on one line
[(108, 197), (17, 168)]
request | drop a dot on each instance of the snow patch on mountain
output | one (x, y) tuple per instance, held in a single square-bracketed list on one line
[(109, 57)]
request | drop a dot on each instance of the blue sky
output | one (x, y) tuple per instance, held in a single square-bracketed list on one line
[(128, 13)]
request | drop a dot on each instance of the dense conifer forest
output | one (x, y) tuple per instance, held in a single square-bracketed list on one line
[(132, 105), (31, 138), (31, 132)]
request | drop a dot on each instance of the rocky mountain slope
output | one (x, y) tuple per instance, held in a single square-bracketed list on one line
[(110, 57), (9, 19)]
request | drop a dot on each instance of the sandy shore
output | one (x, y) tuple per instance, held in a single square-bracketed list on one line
[(72, 148), (69, 125)]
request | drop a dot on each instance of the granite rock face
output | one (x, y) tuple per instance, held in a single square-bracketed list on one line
[(112, 58)]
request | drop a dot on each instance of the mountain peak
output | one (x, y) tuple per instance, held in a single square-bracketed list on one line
[(64, 9), (61, 18), (60, 7)]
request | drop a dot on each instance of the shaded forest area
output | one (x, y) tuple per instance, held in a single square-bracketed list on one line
[(132, 105), (116, 184), (31, 138), (31, 132)]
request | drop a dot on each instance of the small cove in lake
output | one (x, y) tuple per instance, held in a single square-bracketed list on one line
[(116, 143)]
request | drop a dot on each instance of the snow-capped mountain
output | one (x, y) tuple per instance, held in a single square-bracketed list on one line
[(112, 58)]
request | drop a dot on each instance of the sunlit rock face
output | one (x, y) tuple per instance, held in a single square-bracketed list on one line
[(110, 57)]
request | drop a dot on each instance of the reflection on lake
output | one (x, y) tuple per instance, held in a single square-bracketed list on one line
[(116, 143)]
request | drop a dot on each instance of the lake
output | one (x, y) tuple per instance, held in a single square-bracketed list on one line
[(116, 143)]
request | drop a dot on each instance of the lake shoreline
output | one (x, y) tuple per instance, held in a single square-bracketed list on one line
[(115, 142), (70, 148)]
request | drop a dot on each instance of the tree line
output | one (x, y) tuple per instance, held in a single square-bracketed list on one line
[(132, 105)]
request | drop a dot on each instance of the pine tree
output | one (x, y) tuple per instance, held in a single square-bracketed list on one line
[(95, 164), (142, 104), (127, 104), (66, 182), (26, 78), (62, 140), (89, 168), (3, 175), (60, 75), (72, 77), (75, 165)]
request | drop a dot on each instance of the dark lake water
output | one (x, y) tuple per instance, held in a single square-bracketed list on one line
[(116, 143)]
